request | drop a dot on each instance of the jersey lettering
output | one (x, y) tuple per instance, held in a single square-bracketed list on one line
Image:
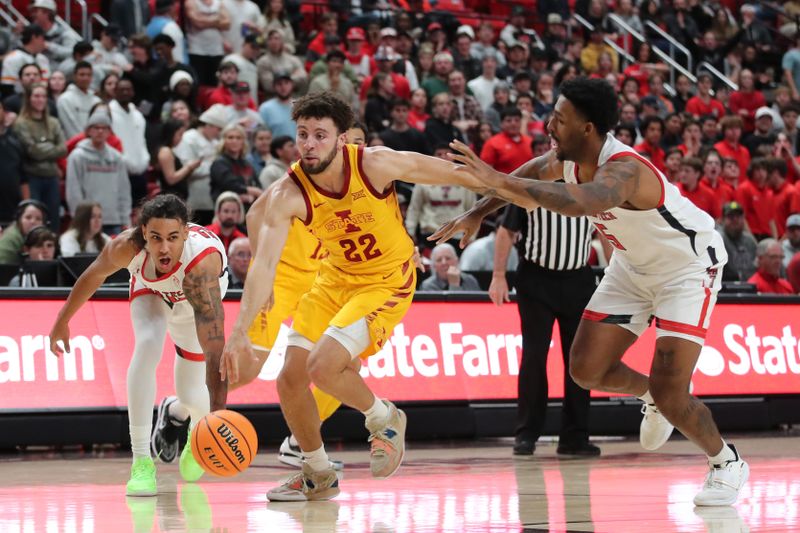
[(613, 240), (366, 243)]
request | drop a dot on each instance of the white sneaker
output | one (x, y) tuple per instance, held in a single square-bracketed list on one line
[(723, 482), (291, 455), (654, 430)]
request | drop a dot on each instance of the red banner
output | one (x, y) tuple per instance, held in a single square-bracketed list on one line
[(441, 351)]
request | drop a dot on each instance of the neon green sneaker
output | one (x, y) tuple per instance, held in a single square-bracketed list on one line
[(196, 509), (190, 470), (143, 478), (143, 513)]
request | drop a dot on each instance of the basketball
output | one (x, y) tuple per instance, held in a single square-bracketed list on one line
[(224, 443)]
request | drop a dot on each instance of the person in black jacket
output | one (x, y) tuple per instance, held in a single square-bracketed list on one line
[(232, 171), (13, 182), (439, 129)]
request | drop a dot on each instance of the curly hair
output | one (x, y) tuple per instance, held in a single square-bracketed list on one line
[(324, 105), (162, 206), (594, 99)]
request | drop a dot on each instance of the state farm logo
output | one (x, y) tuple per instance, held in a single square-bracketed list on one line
[(754, 353), (29, 357)]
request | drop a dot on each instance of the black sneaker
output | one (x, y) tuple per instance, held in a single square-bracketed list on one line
[(291, 455), (583, 449), (524, 447), (164, 442)]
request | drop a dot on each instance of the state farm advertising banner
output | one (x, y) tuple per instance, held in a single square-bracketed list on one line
[(441, 351)]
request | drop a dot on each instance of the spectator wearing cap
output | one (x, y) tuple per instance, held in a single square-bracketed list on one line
[(329, 28), (483, 86), (129, 126), (703, 103), (442, 67), (277, 60), (713, 178), (729, 146), (205, 22), (245, 59), (246, 19), (555, 37), (240, 112), (769, 260), (653, 128), (740, 244), (284, 153), (791, 241), (756, 199), (76, 102), (691, 187), (33, 44), (400, 135), (363, 64), (439, 129), (334, 79), (484, 45), (97, 173), (106, 52), (759, 142), (228, 76), (181, 88), (164, 21), (747, 100), (60, 39), (277, 111), (130, 15), (386, 58), (332, 44), (201, 143), (463, 58), (510, 148), (515, 26), (516, 63), (785, 196), (467, 113), (437, 37), (595, 47), (276, 18)]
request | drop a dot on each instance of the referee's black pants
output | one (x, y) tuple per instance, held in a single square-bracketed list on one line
[(543, 297)]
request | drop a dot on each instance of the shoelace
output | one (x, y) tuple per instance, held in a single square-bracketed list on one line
[(379, 445), (712, 479), (140, 469), (649, 409)]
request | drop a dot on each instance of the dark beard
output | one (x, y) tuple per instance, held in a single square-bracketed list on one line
[(320, 167), (227, 224)]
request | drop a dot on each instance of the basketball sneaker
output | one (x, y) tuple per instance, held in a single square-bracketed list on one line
[(196, 509), (292, 455), (307, 486), (190, 470), (164, 442), (143, 478), (723, 482), (654, 430), (388, 443), (143, 513)]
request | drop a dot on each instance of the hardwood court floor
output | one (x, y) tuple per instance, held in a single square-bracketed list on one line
[(461, 487)]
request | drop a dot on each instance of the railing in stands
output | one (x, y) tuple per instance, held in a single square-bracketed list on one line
[(14, 12), (708, 67), (617, 48), (100, 20), (673, 44), (7, 18), (84, 15)]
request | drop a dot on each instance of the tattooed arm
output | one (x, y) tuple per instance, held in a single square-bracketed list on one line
[(201, 287)]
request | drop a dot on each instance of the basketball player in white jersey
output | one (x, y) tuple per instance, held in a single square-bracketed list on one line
[(666, 266), (177, 284)]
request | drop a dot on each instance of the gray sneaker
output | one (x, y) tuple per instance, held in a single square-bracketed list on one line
[(387, 443), (307, 486)]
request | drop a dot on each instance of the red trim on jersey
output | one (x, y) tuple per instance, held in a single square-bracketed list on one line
[(345, 188), (679, 327), (408, 283), (140, 292), (365, 178), (705, 308), (652, 168), (304, 192), (404, 269), (163, 276), (593, 315), (199, 257), (191, 356)]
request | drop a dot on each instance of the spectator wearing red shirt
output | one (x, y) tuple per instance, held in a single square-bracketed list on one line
[(652, 127), (228, 214), (785, 196), (228, 75), (756, 199), (712, 178), (363, 64), (417, 117), (746, 101), (731, 174), (703, 103), (509, 149), (729, 146), (329, 26), (767, 279), (693, 189), (385, 58)]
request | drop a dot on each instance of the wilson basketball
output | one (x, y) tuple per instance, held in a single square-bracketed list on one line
[(224, 443)]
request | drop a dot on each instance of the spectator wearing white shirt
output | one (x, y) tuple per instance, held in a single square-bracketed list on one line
[(245, 60), (479, 255), (77, 101), (206, 20), (60, 39), (85, 235), (239, 111), (106, 52), (33, 44), (483, 86), (246, 19), (129, 126)]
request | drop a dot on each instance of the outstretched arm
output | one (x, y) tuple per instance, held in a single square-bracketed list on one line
[(201, 287)]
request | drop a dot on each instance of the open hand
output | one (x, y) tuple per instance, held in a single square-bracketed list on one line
[(60, 332), (467, 222), (238, 345)]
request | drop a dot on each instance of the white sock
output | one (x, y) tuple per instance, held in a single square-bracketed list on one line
[(177, 412), (317, 460), (377, 414), (293, 441), (647, 398), (140, 441), (725, 455)]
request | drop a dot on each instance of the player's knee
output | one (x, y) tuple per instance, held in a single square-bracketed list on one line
[(582, 374), (290, 382), (319, 370), (670, 398)]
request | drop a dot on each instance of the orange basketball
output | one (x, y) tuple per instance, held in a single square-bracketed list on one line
[(224, 443)]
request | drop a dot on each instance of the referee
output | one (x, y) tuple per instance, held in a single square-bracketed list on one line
[(553, 283)]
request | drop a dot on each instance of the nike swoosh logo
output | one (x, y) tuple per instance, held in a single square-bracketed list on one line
[(387, 276), (319, 205)]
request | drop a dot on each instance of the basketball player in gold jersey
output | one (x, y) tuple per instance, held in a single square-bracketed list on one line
[(344, 194)]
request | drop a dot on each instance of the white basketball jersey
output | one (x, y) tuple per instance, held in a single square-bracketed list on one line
[(664, 239), (200, 243)]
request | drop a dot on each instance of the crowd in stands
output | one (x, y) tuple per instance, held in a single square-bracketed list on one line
[(193, 97)]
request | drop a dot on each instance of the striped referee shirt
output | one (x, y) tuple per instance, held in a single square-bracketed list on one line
[(548, 239)]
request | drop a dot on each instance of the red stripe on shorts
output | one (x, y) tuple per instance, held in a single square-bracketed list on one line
[(191, 356), (679, 327), (703, 311), (593, 316)]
